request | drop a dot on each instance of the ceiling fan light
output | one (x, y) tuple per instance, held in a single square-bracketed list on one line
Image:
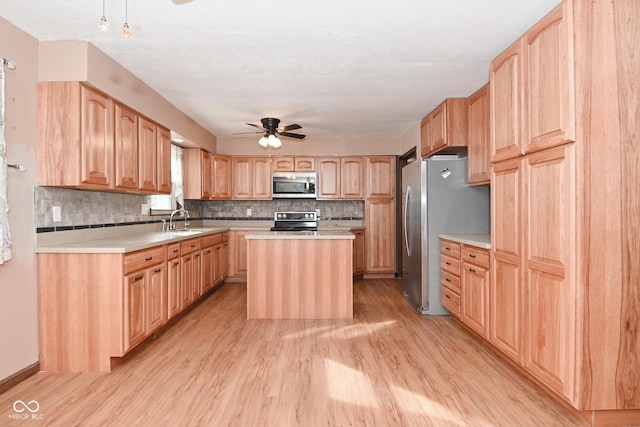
[(263, 141), (103, 24), (274, 141)]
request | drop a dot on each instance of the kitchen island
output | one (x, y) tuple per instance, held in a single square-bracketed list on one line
[(300, 275)]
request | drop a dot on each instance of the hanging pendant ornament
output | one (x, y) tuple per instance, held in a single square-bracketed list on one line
[(126, 30), (103, 24)]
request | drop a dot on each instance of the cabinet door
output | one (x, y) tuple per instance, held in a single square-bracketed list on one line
[(135, 327), (380, 236), (97, 139), (187, 263), (549, 77), (126, 147), (479, 153), (439, 127), (218, 263), (550, 286), (329, 178), (358, 252), (205, 174), (507, 234), (207, 260), (261, 178), (148, 155), (221, 177), (426, 136), (380, 177), (304, 164), (164, 160), (283, 164), (238, 253), (475, 298), (352, 178), (242, 178), (156, 298), (196, 285), (174, 287), (506, 104), (224, 265)]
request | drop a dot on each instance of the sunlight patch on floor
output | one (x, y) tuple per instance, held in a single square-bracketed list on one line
[(414, 403), (348, 385), (344, 333)]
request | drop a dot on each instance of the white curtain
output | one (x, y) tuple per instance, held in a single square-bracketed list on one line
[(5, 236)]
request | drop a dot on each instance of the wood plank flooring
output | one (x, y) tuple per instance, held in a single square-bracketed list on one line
[(386, 367)]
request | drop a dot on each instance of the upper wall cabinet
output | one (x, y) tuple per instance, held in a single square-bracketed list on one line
[(340, 178), (86, 140), (478, 151), (293, 164), (164, 160), (251, 178), (197, 173), (533, 89), (221, 175), (445, 127)]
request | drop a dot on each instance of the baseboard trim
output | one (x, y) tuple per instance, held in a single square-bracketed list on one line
[(18, 377), (379, 276)]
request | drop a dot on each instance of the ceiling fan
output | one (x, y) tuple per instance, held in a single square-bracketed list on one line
[(271, 130)]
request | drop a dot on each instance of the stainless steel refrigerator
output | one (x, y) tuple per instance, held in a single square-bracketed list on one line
[(436, 199)]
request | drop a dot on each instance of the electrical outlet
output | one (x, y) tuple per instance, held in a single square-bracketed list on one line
[(144, 209), (56, 212), (318, 213), (249, 212)]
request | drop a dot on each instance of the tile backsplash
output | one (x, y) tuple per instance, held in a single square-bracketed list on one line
[(91, 209)]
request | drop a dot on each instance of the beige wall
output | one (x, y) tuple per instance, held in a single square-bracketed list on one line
[(81, 61), (18, 277), (311, 146), (410, 139)]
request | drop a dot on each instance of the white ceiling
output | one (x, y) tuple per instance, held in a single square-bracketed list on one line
[(346, 69)]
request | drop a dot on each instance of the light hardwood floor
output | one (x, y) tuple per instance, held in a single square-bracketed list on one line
[(386, 367)]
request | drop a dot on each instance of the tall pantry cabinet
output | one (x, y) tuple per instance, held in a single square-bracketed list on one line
[(565, 108)]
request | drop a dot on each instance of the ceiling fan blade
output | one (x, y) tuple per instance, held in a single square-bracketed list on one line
[(246, 133), (255, 126), (179, 2), (292, 135), (292, 126)]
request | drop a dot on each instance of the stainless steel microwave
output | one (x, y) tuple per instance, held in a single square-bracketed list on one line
[(293, 185)]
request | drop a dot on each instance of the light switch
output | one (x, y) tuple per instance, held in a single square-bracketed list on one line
[(56, 212), (249, 212)]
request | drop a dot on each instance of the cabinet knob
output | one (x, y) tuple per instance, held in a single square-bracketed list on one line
[(447, 279), (472, 256), (148, 259), (473, 270), (137, 278), (447, 262), (447, 296), (157, 271)]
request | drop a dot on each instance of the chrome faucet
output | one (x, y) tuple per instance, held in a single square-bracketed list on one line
[(185, 213)]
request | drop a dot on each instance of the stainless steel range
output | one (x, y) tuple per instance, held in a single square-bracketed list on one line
[(295, 221)]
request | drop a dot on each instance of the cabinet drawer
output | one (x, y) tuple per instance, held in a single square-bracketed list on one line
[(225, 237), (452, 265), (211, 240), (142, 259), (173, 250), (449, 248), (450, 281), (450, 300), (188, 246), (474, 255)]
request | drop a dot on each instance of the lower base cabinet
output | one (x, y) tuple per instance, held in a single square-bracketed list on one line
[(358, 252)]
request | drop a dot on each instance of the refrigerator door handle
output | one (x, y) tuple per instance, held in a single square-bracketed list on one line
[(407, 197)]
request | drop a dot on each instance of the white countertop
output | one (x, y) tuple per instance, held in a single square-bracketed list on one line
[(129, 243), (302, 235), (477, 240)]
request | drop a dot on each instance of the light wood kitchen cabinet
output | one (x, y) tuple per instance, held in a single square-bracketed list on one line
[(221, 175), (380, 177), (329, 174), (445, 127), (76, 136), (478, 139), (164, 160), (238, 253), (212, 258), (506, 280), (426, 136), (147, 155), (293, 164), (379, 215), (88, 141), (190, 280), (450, 276), (174, 280), (358, 252), (474, 293), (145, 295), (251, 178), (506, 102), (549, 87), (126, 147), (197, 174), (341, 178)]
